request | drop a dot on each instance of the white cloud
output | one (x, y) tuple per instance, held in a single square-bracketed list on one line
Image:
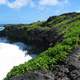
[(18, 3), (48, 2), (3, 1), (51, 2), (40, 3)]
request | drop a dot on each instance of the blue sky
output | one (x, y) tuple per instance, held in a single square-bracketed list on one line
[(27, 11)]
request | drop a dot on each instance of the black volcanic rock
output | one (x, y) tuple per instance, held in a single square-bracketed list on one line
[(37, 75), (39, 38)]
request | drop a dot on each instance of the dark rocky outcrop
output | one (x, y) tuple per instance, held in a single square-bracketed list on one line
[(40, 39), (37, 75)]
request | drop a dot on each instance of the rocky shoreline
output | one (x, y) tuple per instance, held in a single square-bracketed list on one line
[(57, 40)]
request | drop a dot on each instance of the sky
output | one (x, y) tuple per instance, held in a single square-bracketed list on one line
[(27, 11)]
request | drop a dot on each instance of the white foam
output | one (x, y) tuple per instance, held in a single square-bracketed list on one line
[(10, 55)]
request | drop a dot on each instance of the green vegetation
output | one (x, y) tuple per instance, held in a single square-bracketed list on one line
[(68, 28)]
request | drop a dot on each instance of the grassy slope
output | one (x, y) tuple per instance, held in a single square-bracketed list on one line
[(69, 27)]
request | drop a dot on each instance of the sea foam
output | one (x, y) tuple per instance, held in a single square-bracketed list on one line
[(11, 55)]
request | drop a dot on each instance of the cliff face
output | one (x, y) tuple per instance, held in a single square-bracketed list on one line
[(58, 40), (40, 38)]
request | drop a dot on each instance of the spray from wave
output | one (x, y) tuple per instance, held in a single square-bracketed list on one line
[(11, 55)]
